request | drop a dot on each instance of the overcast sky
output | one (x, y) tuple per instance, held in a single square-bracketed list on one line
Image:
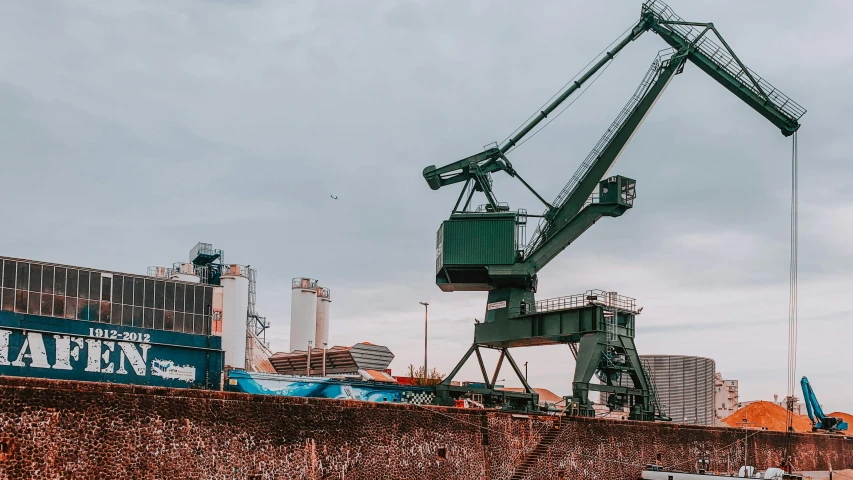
[(130, 131)]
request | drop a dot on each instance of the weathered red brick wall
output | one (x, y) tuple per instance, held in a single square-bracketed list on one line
[(594, 448), (56, 429), (509, 439)]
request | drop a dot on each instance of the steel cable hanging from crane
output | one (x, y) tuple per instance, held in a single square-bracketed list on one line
[(794, 264), (792, 300)]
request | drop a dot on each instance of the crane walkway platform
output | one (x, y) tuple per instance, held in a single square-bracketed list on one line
[(678, 33), (600, 298)]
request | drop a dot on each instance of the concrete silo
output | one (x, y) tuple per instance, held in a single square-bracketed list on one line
[(235, 303), (303, 313), (324, 301)]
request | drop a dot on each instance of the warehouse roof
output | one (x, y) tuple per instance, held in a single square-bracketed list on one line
[(361, 356)]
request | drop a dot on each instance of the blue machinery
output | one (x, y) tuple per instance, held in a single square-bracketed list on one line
[(820, 422)]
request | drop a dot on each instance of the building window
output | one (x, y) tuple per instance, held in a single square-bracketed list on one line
[(127, 300)]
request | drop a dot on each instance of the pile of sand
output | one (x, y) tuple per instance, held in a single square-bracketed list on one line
[(836, 475), (766, 415)]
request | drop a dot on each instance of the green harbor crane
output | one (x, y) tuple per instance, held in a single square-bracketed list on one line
[(484, 248)]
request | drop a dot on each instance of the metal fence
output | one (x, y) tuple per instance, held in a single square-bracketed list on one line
[(591, 297)]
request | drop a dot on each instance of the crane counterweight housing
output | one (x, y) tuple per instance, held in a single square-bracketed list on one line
[(486, 248)]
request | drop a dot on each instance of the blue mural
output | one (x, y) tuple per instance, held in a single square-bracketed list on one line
[(321, 387)]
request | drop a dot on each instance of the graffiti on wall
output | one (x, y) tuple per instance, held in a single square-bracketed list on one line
[(105, 355), (291, 386), (69, 353)]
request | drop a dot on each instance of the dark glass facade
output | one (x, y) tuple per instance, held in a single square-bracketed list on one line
[(119, 299)]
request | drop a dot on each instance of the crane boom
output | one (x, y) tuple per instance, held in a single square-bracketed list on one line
[(478, 166), (720, 63), (565, 224), (692, 43), (558, 226), (636, 31)]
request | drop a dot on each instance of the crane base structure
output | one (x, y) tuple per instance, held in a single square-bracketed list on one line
[(599, 323)]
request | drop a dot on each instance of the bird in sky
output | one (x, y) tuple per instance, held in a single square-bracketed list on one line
[(333, 197)]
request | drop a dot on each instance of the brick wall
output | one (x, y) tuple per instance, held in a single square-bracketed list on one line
[(57, 429), (593, 448)]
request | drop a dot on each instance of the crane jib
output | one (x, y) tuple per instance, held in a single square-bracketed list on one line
[(719, 61), (552, 236)]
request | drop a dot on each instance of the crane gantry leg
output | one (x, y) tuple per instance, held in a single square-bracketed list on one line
[(605, 350), (446, 392)]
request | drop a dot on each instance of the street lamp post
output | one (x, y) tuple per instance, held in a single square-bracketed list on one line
[(426, 320), (324, 359), (308, 366)]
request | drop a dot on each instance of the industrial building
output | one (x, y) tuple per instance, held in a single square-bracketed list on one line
[(684, 385), (75, 323), (178, 326), (243, 329), (726, 397)]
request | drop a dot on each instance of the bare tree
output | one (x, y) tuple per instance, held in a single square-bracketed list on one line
[(430, 378)]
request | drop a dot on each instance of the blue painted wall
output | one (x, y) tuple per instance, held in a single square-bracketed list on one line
[(320, 387), (49, 347)]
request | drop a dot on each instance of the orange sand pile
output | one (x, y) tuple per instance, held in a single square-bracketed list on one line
[(844, 416), (766, 415)]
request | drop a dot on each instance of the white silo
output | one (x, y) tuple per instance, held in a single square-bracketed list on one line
[(324, 301), (235, 306), (303, 313), (184, 272)]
